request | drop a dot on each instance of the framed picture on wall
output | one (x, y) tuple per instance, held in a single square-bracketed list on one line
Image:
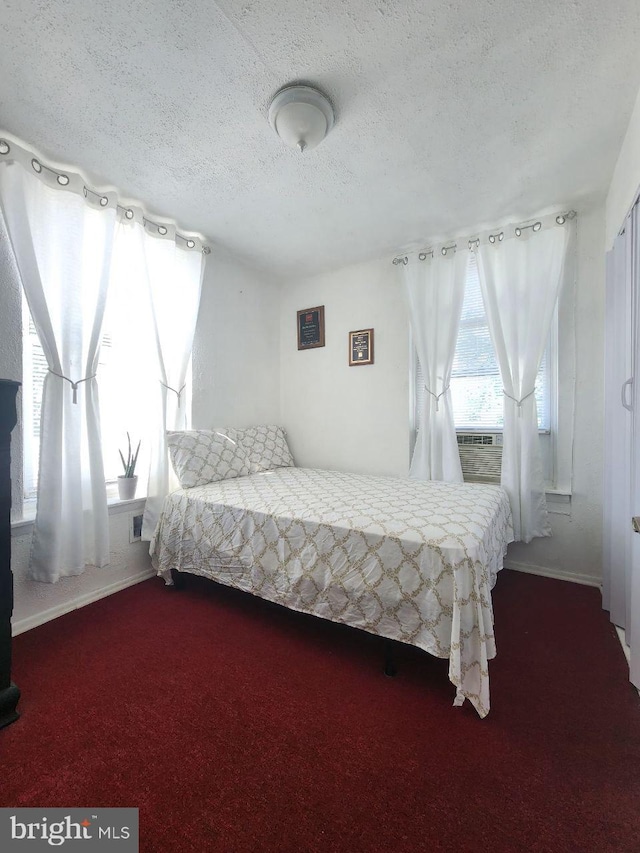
[(361, 347), (311, 327)]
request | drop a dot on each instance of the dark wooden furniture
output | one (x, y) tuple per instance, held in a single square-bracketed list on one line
[(9, 693)]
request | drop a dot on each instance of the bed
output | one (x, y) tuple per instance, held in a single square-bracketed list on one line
[(407, 560)]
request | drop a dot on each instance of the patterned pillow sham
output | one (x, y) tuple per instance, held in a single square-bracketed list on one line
[(266, 447), (201, 456)]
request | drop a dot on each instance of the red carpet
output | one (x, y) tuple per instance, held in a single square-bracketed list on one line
[(236, 726)]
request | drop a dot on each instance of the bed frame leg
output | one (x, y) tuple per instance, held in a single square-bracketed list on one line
[(390, 669), (178, 579)]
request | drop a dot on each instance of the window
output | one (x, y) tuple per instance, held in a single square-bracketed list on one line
[(127, 374), (34, 370), (476, 386)]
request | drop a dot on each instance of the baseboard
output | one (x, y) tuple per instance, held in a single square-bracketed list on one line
[(625, 648), (29, 622), (557, 574), (623, 642)]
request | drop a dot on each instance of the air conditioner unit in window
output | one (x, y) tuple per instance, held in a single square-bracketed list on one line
[(481, 456)]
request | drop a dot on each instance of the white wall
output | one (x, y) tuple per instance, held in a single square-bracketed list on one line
[(236, 369), (35, 603), (336, 416), (576, 545), (625, 182), (357, 418)]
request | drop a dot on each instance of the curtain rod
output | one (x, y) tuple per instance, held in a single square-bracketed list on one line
[(496, 235), (72, 180)]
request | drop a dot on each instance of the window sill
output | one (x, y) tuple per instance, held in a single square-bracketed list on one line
[(558, 500), (23, 526), (115, 505), (563, 493)]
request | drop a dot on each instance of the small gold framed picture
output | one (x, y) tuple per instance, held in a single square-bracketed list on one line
[(361, 347)]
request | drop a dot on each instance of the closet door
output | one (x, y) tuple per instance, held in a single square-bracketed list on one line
[(632, 609), (617, 530), (621, 546)]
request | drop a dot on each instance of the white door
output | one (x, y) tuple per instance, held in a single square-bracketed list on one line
[(617, 531), (632, 609), (621, 546)]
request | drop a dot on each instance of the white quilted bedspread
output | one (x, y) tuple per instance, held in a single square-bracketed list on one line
[(409, 560)]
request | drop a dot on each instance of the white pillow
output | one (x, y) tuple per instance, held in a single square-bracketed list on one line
[(201, 456), (266, 447)]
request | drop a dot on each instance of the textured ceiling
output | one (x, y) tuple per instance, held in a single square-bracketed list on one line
[(449, 114)]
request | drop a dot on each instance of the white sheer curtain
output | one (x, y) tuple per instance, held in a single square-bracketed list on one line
[(621, 546), (520, 279), (129, 366), (174, 278), (435, 292), (62, 247), (70, 254)]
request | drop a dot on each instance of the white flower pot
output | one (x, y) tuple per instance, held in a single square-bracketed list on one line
[(127, 487)]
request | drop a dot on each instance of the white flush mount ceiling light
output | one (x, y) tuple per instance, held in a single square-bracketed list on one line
[(301, 116)]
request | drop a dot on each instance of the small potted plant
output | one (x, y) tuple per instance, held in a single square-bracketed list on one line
[(128, 482)]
